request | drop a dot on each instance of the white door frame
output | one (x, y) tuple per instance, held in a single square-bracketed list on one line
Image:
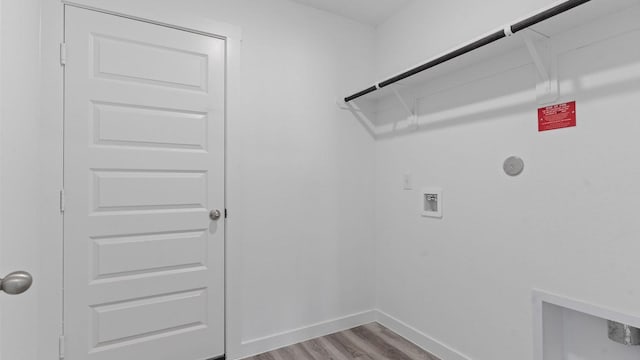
[(50, 301)]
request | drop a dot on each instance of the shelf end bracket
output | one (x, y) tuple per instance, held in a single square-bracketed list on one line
[(411, 111), (546, 63)]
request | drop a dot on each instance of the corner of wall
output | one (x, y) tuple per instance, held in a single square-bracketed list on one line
[(261, 345), (423, 340)]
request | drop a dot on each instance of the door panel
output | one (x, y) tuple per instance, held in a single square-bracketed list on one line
[(121, 125), (144, 165), (178, 68), (120, 256), (164, 314), (117, 190)]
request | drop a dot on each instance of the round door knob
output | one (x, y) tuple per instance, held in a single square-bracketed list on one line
[(215, 214), (16, 283)]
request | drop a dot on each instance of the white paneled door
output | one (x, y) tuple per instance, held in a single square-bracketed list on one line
[(144, 175)]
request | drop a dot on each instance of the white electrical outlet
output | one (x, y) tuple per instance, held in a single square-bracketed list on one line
[(431, 202)]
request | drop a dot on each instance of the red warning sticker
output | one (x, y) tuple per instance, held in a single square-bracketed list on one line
[(557, 116)]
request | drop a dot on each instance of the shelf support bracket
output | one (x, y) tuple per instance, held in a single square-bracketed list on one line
[(342, 105), (411, 111), (361, 115), (546, 63)]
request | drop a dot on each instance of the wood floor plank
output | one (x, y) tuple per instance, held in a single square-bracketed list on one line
[(302, 352), (318, 350), (285, 353), (368, 342), (265, 356), (401, 343), (292, 353), (347, 347), (335, 352), (365, 345), (309, 347), (388, 350)]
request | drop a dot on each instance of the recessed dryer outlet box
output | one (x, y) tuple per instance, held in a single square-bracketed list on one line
[(431, 202)]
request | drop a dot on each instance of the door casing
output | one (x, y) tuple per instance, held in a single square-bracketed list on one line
[(50, 258)]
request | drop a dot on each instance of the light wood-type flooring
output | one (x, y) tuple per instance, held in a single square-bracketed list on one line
[(368, 342)]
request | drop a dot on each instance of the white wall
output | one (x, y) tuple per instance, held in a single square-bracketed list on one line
[(19, 171), (567, 224), (301, 184), (423, 29), (300, 170)]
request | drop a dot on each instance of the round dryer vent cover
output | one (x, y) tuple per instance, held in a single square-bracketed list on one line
[(513, 166)]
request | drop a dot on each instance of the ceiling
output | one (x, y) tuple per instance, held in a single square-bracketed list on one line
[(371, 12)]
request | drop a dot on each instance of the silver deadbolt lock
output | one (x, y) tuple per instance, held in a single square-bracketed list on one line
[(215, 214), (16, 283)]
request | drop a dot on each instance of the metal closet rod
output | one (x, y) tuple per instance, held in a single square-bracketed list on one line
[(508, 31)]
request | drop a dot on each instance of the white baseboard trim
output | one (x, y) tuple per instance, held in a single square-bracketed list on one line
[(428, 343), (264, 344), (276, 341)]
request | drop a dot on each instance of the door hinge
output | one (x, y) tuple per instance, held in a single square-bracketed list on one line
[(63, 54), (61, 347), (225, 213), (62, 201)]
